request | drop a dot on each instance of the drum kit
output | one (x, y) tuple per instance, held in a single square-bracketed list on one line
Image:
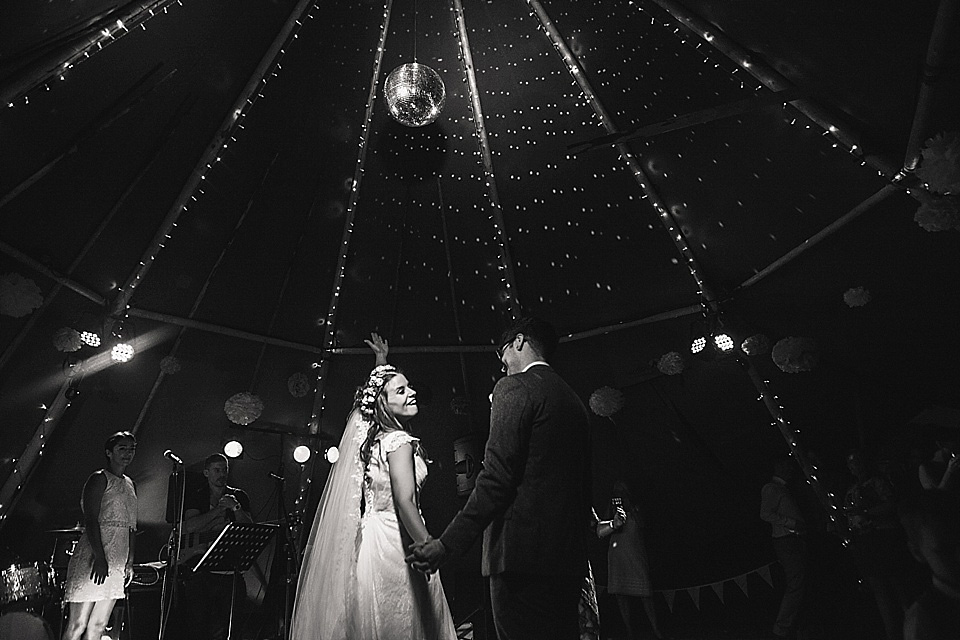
[(32, 592)]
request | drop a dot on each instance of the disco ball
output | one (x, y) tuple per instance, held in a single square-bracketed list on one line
[(415, 94)]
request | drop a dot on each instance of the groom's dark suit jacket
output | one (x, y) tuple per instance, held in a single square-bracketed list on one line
[(532, 498)]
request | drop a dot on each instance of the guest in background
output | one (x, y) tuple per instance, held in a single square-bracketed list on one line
[(102, 563), (932, 524), (628, 573), (208, 595), (876, 541), (779, 507), (940, 473)]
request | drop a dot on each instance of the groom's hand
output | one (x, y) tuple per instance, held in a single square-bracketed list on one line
[(427, 556)]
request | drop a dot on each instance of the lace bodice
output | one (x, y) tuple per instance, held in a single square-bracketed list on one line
[(377, 491)]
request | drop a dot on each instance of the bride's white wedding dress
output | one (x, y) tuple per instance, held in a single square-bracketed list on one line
[(354, 583)]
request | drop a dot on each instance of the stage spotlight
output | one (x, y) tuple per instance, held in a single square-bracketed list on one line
[(233, 449), (723, 342), (332, 454), (90, 338), (697, 345), (122, 352), (301, 453)]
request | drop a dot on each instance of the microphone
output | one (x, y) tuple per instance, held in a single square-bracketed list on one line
[(172, 457)]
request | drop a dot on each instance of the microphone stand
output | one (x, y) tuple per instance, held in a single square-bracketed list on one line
[(291, 554), (168, 590)]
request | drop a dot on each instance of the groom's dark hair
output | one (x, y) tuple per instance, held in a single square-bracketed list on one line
[(539, 332)]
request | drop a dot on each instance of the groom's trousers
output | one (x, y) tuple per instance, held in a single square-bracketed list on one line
[(534, 607)]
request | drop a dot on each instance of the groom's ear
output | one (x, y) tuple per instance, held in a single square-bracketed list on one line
[(523, 340)]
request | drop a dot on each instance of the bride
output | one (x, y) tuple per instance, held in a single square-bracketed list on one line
[(354, 582)]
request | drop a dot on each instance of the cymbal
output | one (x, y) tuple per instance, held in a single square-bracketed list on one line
[(74, 531)]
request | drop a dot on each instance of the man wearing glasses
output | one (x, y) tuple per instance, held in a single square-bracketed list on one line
[(532, 497)]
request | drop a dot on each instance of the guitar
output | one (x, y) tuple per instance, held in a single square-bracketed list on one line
[(191, 544)]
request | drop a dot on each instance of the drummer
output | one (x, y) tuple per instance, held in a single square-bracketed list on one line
[(102, 563)]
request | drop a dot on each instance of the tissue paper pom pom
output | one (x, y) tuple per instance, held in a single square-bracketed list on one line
[(243, 408), (169, 365), (756, 345), (19, 296), (670, 363), (606, 401), (938, 213), (298, 384), (794, 355), (67, 340), (940, 166), (857, 297)]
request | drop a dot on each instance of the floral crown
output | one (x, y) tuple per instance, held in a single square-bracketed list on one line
[(367, 395)]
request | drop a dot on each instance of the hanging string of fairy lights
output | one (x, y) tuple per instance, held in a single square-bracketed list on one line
[(254, 89), (665, 216), (329, 338), (694, 31), (507, 277), (707, 297), (99, 37), (26, 463)]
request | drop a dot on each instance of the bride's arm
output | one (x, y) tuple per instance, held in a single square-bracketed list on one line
[(404, 486)]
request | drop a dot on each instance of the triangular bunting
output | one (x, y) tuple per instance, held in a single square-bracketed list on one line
[(718, 589), (668, 596), (764, 572), (742, 583), (695, 596)]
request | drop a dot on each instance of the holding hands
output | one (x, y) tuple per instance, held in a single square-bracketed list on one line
[(427, 556)]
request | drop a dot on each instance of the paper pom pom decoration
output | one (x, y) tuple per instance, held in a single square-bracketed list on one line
[(756, 345), (857, 297), (940, 166), (298, 384), (606, 401), (794, 355), (169, 365), (671, 363), (243, 408), (938, 213), (67, 340), (19, 296)]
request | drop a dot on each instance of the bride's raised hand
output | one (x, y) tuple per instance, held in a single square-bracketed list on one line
[(379, 346)]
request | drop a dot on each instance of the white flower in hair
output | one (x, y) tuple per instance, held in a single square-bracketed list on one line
[(372, 389)]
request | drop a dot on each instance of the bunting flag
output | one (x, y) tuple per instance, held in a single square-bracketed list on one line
[(742, 583), (764, 572), (718, 589), (694, 592), (668, 596)]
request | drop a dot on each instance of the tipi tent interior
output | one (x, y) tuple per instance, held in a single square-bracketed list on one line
[(222, 186)]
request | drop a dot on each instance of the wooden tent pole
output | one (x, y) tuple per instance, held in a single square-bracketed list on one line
[(944, 35), (64, 280), (496, 211), (666, 218), (78, 49), (885, 192), (772, 79)]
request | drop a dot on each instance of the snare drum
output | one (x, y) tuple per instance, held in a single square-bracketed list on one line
[(26, 584), (21, 625)]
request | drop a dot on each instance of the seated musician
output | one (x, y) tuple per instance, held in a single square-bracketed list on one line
[(206, 600)]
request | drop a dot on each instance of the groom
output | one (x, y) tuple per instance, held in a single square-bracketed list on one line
[(532, 497)]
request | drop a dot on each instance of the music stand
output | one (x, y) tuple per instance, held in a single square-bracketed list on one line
[(235, 549)]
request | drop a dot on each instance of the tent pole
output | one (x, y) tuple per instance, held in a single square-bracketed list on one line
[(496, 211), (772, 79), (944, 34)]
